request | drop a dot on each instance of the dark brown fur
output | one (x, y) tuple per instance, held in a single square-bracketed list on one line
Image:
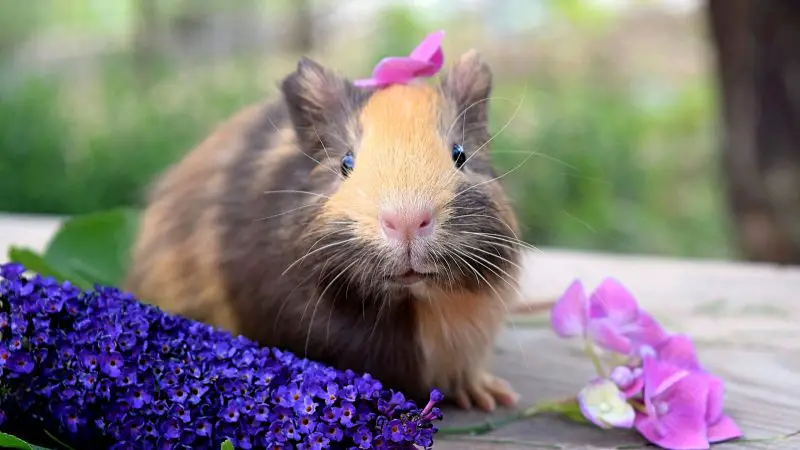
[(218, 237)]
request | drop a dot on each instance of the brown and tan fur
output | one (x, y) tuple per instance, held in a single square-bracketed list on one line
[(258, 231)]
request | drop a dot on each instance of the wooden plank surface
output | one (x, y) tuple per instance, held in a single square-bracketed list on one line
[(744, 319)]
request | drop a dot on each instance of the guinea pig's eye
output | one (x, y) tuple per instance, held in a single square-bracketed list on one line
[(347, 164), (459, 157)]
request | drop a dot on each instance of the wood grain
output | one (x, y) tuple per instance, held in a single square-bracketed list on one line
[(744, 319)]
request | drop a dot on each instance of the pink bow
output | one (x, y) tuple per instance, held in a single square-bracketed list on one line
[(424, 61)]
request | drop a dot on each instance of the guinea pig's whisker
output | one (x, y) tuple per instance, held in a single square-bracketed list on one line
[(499, 297), (448, 272), (319, 300), (500, 272), (344, 241), (486, 252), (462, 113), (358, 257), (325, 149), (450, 275), (503, 244), (298, 148), (508, 122), (504, 239), (286, 212), (289, 191), (323, 236), (287, 298), (535, 153), (493, 218), (495, 178)]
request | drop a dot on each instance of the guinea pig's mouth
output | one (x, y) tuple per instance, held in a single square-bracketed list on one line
[(410, 277)]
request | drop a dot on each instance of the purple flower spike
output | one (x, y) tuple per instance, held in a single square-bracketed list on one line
[(602, 403), (424, 61), (112, 372), (676, 404)]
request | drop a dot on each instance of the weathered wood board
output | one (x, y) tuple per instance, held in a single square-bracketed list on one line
[(744, 319)]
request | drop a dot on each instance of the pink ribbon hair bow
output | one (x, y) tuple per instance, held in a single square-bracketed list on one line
[(424, 61)]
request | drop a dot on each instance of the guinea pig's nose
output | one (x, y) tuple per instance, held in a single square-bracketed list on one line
[(406, 225)]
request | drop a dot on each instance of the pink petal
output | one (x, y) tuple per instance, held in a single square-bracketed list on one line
[(716, 393), (366, 82), (645, 330), (723, 430), (424, 61), (568, 316), (648, 427), (611, 299), (662, 435), (659, 376), (679, 414), (434, 64), (398, 70), (606, 334), (429, 48), (678, 350), (688, 396), (635, 388)]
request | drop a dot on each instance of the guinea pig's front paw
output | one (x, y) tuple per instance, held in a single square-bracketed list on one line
[(486, 391)]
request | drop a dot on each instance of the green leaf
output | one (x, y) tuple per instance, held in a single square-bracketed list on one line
[(94, 247), (227, 445), (9, 441), (35, 263)]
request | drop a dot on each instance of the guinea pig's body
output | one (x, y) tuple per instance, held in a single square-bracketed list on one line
[(360, 228)]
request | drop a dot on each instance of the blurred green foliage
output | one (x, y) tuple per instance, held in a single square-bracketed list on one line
[(605, 170)]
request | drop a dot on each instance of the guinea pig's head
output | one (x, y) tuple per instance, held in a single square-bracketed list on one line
[(409, 197)]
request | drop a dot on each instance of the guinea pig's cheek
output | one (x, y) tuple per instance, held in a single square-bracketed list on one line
[(355, 206)]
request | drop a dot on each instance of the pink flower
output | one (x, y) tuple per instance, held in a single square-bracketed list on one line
[(610, 317), (678, 351), (676, 401), (424, 61), (684, 407)]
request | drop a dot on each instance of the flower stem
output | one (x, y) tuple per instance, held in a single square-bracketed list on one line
[(491, 425), (57, 441), (592, 353), (508, 441)]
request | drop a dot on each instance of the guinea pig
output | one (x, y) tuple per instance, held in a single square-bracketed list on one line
[(364, 228)]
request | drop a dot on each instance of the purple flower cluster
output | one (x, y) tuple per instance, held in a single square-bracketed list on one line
[(656, 385), (100, 369)]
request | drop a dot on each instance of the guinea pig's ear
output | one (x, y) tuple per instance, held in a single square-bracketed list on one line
[(468, 84), (314, 94)]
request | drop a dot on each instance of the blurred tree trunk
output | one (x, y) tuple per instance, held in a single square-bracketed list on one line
[(146, 35), (301, 34), (757, 45)]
